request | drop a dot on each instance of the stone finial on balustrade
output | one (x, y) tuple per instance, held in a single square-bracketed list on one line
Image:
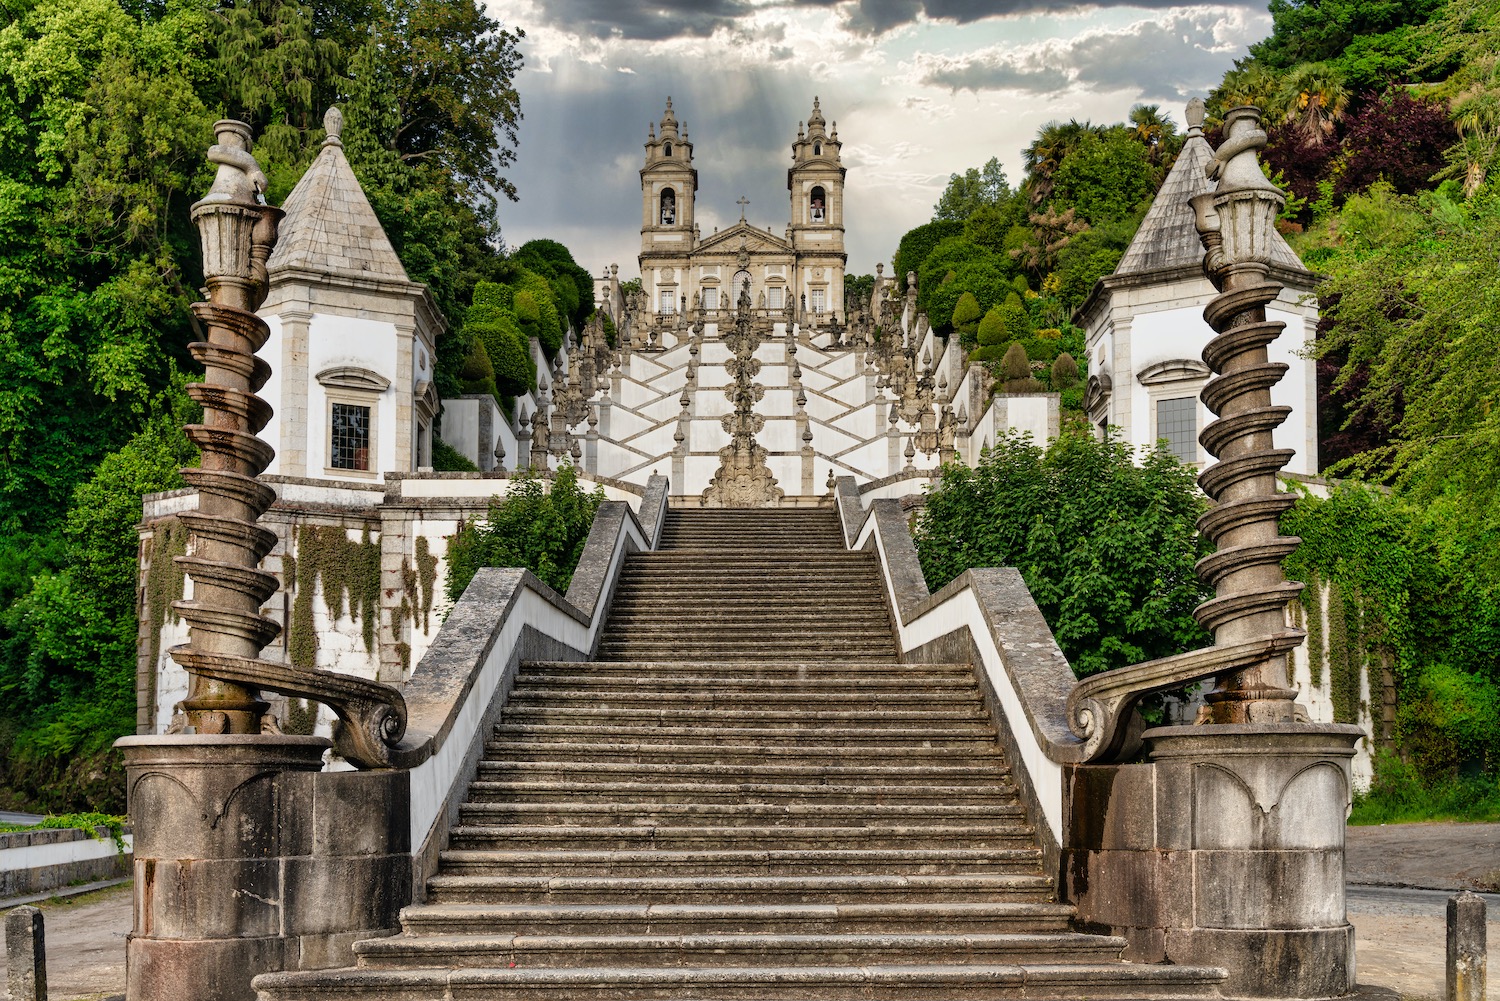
[(1236, 224)]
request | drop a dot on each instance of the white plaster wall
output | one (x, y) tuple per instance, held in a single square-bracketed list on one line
[(345, 340), (271, 391)]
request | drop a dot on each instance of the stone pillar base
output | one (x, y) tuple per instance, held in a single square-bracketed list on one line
[(249, 859), (1225, 849)]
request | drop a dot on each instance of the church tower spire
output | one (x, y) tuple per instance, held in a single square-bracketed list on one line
[(669, 187), (816, 183)]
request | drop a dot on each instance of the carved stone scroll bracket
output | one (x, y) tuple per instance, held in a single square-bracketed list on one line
[(371, 716), (1101, 708)]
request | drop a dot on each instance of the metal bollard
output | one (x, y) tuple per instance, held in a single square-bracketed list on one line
[(26, 954), (1466, 947)]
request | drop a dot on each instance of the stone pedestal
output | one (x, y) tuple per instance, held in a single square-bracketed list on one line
[(1225, 849), (249, 860)]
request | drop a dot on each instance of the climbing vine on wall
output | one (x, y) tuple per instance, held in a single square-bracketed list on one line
[(1415, 587), (419, 583), (164, 584), (349, 572)]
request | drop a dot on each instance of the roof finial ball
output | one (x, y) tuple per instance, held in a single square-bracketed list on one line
[(1196, 112), (333, 124)]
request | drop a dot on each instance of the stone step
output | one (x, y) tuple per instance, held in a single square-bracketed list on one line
[(614, 814), (667, 625), (743, 862), (856, 673), (499, 888), (781, 717), (701, 698), (666, 951), (716, 614), (752, 759), (730, 558), (850, 738), (575, 919), (541, 790), (601, 681), (625, 649), (1011, 834), (747, 772), (879, 982)]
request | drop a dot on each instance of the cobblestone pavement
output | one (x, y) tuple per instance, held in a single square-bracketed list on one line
[(1398, 934)]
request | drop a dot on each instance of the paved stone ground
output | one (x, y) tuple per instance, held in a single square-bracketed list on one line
[(1398, 934)]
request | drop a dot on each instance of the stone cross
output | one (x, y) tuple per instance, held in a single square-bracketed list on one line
[(743, 201)]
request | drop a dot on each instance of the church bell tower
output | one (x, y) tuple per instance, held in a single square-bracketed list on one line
[(669, 184), (816, 183)]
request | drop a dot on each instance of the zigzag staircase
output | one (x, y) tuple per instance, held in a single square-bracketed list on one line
[(745, 797)]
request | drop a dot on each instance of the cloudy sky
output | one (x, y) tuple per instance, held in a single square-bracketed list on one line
[(920, 89)]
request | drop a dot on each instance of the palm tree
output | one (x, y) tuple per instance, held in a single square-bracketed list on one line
[(1317, 100), (1152, 128), (1053, 142), (1249, 83)]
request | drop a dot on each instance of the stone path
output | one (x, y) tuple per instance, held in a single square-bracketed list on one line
[(1399, 937)]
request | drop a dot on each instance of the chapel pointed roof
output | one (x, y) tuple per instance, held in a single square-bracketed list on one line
[(1168, 237), (329, 226)]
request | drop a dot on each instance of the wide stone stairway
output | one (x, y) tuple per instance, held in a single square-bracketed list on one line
[(745, 797)]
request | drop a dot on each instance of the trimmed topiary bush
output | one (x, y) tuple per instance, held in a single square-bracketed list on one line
[(966, 317), (992, 329)]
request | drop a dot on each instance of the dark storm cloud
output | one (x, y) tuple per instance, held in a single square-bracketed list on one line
[(662, 19), (1165, 59), (654, 21), (998, 74)]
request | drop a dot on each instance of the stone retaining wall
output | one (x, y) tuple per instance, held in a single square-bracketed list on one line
[(40, 861)]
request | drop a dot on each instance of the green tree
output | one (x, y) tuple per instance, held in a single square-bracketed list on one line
[(533, 527), (1105, 178), (917, 243), (974, 189), (991, 332), (1106, 546), (966, 317), (1046, 154)]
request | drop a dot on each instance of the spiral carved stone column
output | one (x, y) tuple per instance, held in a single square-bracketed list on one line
[(238, 231), (1237, 224)]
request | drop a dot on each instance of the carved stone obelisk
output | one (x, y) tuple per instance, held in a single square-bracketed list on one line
[(234, 876), (743, 478), (1237, 224)]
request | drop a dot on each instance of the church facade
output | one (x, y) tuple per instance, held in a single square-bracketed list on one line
[(801, 268)]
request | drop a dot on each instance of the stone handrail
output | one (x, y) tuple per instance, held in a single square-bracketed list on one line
[(1066, 721), (506, 615)]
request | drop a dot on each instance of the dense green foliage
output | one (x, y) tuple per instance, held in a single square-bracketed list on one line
[(106, 109), (1384, 124), (1106, 546), (543, 530), (1417, 584)]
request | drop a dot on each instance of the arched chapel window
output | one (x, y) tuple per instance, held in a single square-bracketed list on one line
[(666, 150), (668, 207), (817, 202), (817, 149)]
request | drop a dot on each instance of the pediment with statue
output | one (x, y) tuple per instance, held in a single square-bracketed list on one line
[(743, 236)]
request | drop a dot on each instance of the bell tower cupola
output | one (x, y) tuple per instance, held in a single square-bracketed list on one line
[(816, 183), (669, 184)]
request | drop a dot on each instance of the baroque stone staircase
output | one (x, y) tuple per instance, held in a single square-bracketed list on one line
[(746, 797)]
